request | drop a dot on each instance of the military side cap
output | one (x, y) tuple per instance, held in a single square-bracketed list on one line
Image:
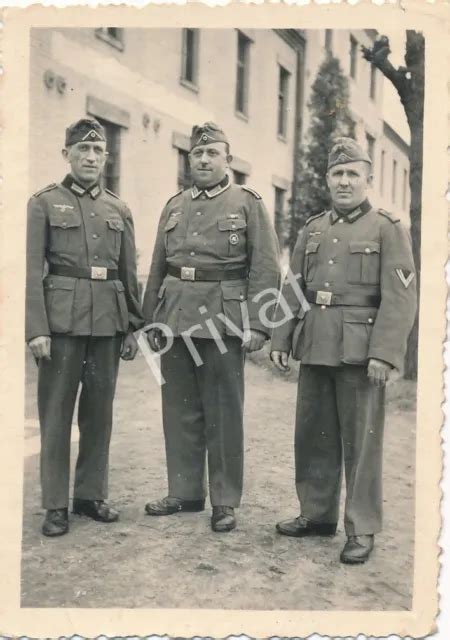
[(206, 134), (85, 130), (347, 150)]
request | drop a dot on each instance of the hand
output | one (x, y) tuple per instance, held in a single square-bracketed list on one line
[(154, 339), (378, 372), (41, 347), (280, 360), (129, 347), (255, 342)]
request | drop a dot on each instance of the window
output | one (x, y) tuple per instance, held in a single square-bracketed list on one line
[(371, 148), (329, 40), (405, 188), (111, 172), (373, 81), (353, 56), (243, 68), (283, 101), (280, 216), (239, 177), (382, 169), (394, 181), (184, 170), (189, 61), (111, 35)]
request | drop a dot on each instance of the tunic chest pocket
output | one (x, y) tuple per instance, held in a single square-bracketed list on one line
[(311, 260), (232, 236), (171, 233), (363, 262), (115, 230), (64, 230)]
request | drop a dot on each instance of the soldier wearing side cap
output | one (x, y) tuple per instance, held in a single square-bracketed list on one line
[(355, 268), (79, 322), (215, 251)]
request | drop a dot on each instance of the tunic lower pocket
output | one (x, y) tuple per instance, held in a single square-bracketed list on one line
[(357, 331), (234, 297), (59, 296)]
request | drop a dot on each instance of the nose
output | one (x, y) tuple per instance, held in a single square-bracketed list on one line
[(91, 155), (204, 157), (344, 179)]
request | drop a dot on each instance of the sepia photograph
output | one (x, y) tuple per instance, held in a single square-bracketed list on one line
[(221, 300)]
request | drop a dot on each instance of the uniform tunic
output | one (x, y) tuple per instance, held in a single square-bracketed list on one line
[(221, 228), (86, 319), (366, 253)]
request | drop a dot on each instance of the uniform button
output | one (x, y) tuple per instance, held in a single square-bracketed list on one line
[(367, 250), (64, 224), (327, 284), (323, 306), (370, 321), (96, 257), (199, 213), (192, 253), (233, 226), (340, 220), (50, 286), (92, 214), (241, 296), (330, 261), (195, 233), (95, 236), (335, 240)]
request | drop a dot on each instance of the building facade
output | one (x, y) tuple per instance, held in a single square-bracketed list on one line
[(148, 87)]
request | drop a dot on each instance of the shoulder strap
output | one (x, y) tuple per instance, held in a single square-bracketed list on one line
[(254, 193), (318, 215), (388, 215), (48, 188)]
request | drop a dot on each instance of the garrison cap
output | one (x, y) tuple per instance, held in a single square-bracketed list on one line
[(206, 134), (346, 150), (85, 130)]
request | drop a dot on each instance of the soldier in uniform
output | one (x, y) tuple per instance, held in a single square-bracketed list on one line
[(215, 251), (355, 268), (79, 321)]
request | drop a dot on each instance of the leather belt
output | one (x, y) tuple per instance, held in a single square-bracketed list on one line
[(192, 273), (330, 299), (90, 273)]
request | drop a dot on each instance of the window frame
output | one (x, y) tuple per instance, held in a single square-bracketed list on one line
[(242, 66), (283, 102), (118, 42), (328, 44), (394, 181), (183, 181), (193, 83), (373, 82)]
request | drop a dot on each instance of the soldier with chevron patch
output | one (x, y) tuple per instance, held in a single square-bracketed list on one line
[(80, 319), (356, 271), (215, 251)]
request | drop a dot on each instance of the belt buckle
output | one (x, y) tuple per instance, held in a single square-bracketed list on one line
[(99, 273), (324, 297), (188, 273)]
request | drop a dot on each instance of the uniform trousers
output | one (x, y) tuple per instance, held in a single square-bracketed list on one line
[(340, 417), (203, 412), (93, 362)]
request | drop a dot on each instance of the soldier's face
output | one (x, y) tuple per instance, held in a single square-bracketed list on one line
[(209, 163), (348, 184), (86, 160)]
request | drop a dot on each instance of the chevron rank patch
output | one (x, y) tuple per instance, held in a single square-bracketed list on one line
[(405, 276)]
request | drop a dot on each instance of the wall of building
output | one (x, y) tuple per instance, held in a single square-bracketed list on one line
[(143, 80)]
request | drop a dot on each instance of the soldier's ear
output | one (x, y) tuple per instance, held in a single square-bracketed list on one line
[(229, 158), (65, 153), (370, 179)]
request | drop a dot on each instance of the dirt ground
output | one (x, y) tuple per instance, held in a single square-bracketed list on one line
[(178, 561)]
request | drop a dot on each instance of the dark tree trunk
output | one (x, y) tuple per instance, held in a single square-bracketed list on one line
[(409, 82)]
